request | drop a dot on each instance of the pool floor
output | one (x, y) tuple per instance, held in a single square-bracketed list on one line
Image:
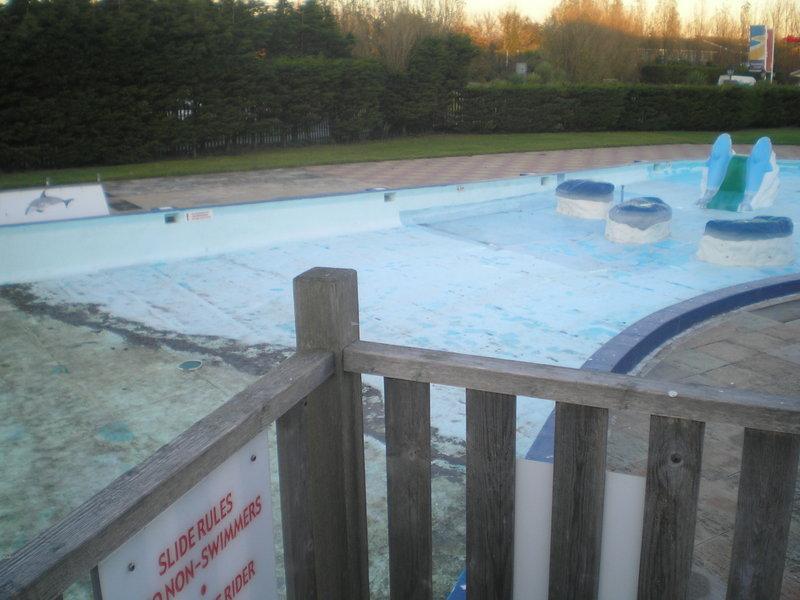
[(89, 383)]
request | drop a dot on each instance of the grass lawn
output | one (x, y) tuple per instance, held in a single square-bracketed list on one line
[(427, 146)]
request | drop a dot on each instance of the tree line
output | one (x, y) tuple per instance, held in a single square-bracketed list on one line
[(110, 81), (87, 82), (585, 41)]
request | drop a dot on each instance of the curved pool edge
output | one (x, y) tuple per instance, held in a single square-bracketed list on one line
[(626, 350)]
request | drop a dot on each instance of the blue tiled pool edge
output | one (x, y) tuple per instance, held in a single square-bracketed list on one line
[(623, 353)]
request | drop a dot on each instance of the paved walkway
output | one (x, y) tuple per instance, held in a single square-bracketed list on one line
[(226, 188), (758, 349)]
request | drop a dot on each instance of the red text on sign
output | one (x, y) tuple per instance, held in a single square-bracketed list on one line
[(238, 583)]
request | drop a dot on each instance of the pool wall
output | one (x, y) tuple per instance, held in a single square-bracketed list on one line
[(38, 251)]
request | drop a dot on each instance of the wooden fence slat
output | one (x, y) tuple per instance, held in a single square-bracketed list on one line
[(491, 463), (670, 511), (331, 428), (577, 386), (293, 473), (764, 511), (408, 479), (579, 470)]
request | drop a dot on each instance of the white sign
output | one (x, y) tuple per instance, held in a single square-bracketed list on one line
[(621, 542), (214, 543), (52, 204), (199, 215)]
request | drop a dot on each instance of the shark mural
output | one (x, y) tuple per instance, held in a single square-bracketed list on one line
[(43, 202)]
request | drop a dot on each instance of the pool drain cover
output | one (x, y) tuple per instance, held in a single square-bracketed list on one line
[(190, 365)]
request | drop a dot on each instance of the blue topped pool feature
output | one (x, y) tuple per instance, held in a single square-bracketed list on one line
[(739, 183), (761, 241), (758, 228), (584, 198), (643, 220)]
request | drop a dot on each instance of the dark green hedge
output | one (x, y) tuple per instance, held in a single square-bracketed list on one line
[(102, 81), (637, 108), (679, 73), (93, 82), (265, 103)]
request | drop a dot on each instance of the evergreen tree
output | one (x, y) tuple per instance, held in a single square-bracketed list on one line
[(437, 67)]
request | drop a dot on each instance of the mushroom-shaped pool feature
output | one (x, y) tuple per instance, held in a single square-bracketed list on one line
[(584, 198), (761, 241), (639, 221)]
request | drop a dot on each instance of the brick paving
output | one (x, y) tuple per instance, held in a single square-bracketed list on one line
[(758, 349), (227, 188)]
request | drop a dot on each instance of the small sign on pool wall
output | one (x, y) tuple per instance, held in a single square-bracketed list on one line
[(199, 215), (213, 543)]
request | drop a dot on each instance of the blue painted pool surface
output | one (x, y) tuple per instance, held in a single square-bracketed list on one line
[(489, 269), (507, 278)]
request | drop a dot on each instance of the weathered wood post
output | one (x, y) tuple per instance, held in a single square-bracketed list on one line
[(491, 464), (321, 452), (579, 476), (763, 514), (408, 478), (674, 458)]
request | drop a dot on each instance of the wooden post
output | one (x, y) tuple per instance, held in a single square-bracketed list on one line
[(763, 514), (670, 509), (299, 562), (491, 464), (321, 452), (408, 479), (579, 475)]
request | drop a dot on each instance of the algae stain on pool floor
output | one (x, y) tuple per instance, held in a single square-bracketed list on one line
[(85, 396)]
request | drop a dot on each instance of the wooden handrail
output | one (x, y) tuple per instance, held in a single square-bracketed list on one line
[(577, 386), (47, 565), (678, 414)]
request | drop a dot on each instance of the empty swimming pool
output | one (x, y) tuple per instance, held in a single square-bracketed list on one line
[(98, 314)]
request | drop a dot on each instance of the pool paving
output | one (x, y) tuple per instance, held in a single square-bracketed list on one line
[(226, 188), (757, 348)]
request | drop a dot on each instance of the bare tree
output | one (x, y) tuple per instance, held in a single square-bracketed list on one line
[(697, 26), (517, 33), (665, 25), (744, 21), (593, 40), (723, 25), (388, 29), (484, 30)]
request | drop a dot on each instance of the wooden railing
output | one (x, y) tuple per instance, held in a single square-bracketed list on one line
[(315, 399)]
